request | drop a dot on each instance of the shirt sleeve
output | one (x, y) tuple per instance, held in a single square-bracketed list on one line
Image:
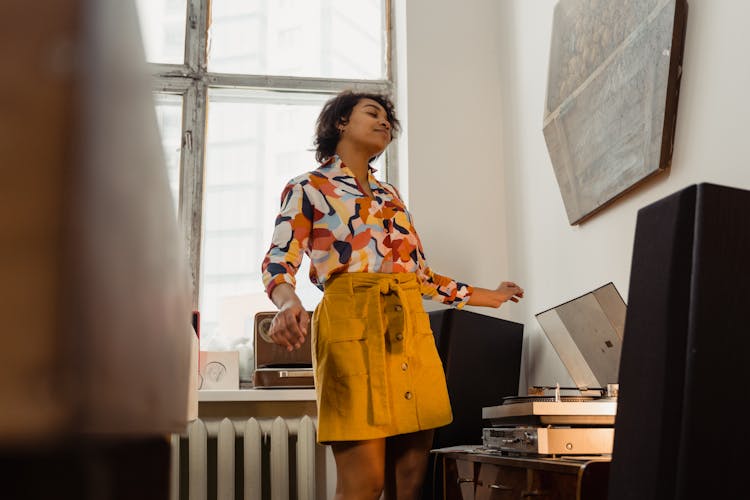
[(435, 286), (440, 288), (291, 236)]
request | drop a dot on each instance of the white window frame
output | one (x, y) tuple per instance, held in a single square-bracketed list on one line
[(192, 80)]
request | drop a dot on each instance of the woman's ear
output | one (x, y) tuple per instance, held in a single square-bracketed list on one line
[(341, 124)]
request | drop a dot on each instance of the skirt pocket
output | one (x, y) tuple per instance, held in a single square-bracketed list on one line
[(425, 348), (421, 323), (344, 345)]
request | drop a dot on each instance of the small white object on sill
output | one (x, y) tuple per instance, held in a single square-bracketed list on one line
[(219, 370)]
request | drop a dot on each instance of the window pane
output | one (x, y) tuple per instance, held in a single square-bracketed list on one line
[(163, 29), (257, 141), (313, 38), (169, 116)]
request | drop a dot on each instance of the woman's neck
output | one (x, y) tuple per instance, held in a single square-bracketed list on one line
[(356, 160)]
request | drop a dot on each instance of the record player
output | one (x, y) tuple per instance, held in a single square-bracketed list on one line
[(587, 334), (275, 367)]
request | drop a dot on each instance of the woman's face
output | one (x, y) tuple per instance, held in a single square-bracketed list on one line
[(368, 127)]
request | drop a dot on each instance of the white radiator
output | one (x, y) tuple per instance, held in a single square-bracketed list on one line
[(251, 456)]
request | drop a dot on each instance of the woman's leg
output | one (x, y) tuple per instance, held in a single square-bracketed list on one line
[(406, 463), (360, 467)]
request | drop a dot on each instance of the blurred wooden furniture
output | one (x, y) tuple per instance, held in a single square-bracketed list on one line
[(95, 302)]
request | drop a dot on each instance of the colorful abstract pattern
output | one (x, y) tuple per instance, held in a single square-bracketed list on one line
[(326, 215)]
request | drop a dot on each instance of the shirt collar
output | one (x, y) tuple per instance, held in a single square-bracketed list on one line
[(336, 162)]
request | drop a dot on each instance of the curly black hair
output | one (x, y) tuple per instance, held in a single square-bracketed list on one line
[(337, 111)]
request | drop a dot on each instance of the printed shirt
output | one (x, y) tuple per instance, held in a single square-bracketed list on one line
[(326, 215)]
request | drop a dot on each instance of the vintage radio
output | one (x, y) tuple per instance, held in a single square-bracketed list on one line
[(276, 367)]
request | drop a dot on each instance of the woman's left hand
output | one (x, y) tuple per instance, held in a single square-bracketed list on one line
[(495, 298), (509, 291)]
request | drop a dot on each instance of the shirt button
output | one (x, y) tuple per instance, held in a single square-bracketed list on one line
[(404, 366), (398, 308), (407, 395), (399, 337)]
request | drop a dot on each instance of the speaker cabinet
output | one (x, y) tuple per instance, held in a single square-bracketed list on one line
[(482, 360), (481, 356), (686, 350)]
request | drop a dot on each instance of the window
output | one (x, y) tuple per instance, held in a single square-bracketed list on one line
[(238, 85), (169, 117)]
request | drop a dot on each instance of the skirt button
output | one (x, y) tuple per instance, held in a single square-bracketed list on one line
[(407, 395)]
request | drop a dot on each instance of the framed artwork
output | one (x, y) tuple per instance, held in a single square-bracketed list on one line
[(612, 90)]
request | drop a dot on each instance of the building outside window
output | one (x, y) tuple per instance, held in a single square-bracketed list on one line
[(238, 85)]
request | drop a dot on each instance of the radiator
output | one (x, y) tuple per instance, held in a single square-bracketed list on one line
[(228, 459)]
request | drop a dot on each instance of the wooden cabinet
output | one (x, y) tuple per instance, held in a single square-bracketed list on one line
[(478, 476)]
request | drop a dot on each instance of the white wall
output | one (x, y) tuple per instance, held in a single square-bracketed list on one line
[(481, 185), (453, 91)]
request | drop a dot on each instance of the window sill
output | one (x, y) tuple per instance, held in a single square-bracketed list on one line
[(218, 395)]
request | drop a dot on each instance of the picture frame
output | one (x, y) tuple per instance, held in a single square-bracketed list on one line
[(612, 92)]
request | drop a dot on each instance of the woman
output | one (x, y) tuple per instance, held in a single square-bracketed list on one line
[(380, 386)]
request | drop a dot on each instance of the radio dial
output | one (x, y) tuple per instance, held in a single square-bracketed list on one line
[(265, 326)]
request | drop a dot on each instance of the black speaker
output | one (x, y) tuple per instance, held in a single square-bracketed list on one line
[(481, 356), (686, 350)]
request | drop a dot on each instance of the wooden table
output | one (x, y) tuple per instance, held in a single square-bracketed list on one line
[(475, 475)]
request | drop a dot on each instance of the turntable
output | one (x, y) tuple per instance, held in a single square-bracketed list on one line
[(587, 334)]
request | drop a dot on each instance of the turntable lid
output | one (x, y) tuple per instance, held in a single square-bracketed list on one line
[(587, 334)]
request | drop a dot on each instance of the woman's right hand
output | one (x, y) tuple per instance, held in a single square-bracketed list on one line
[(289, 326)]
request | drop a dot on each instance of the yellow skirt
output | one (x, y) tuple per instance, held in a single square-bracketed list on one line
[(377, 370)]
